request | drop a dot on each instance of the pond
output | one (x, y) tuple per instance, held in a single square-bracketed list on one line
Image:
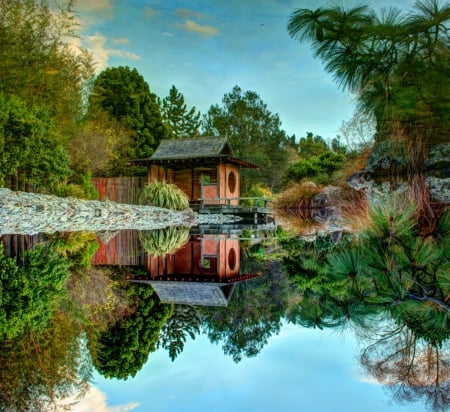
[(241, 319)]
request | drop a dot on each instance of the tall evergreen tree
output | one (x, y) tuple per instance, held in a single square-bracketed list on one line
[(255, 135), (123, 93), (181, 121)]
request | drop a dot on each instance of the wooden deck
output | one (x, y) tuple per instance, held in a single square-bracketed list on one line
[(254, 210)]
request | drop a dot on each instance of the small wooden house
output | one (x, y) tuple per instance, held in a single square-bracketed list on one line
[(204, 168)]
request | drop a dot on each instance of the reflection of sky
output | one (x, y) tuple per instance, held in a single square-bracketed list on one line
[(299, 370)]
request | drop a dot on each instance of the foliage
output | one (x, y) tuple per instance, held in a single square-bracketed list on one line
[(411, 369), (40, 369), (79, 247), (84, 189), (30, 144), (181, 121), (185, 321), (311, 145), (38, 62), (316, 168), (165, 241), (125, 96), (255, 135), (395, 62), (31, 291), (163, 194), (122, 350), (390, 267), (98, 146), (252, 316)]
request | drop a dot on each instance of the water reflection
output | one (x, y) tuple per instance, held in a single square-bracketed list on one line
[(237, 291)]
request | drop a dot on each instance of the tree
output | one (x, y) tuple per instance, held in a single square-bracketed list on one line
[(251, 318), (181, 121), (122, 350), (394, 61), (38, 61), (411, 369), (124, 95), (183, 322), (41, 368), (255, 135), (30, 144), (311, 145), (31, 291)]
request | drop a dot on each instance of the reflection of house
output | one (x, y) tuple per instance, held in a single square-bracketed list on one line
[(202, 272), (204, 168)]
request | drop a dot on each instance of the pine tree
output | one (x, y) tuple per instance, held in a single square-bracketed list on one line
[(181, 121)]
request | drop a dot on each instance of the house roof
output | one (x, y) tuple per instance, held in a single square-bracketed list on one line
[(192, 293), (188, 148), (195, 150)]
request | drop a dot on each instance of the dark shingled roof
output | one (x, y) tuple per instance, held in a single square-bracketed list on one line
[(192, 293), (188, 148), (196, 150)]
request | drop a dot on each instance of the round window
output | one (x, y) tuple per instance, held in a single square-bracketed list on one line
[(232, 181), (232, 259)]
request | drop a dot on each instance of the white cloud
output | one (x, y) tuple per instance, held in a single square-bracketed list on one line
[(96, 44), (95, 6), (95, 400), (121, 40), (190, 25)]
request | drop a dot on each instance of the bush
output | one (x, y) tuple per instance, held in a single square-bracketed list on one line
[(166, 195), (316, 168)]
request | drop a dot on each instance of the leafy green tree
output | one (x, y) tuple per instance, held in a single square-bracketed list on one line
[(124, 95), (311, 145), (396, 62), (181, 121), (31, 291), (43, 367), (183, 322), (316, 168), (122, 350), (251, 318), (37, 61), (255, 135), (30, 144)]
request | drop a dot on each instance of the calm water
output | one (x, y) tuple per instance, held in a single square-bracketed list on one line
[(242, 345)]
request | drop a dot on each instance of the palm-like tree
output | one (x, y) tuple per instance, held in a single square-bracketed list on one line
[(386, 59)]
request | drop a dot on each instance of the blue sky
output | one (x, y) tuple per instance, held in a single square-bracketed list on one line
[(298, 370), (206, 47)]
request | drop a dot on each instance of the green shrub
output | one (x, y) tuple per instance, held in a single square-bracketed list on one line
[(166, 195)]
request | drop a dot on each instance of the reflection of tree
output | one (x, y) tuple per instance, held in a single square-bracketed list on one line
[(390, 272), (409, 367), (389, 267), (183, 322), (31, 290), (252, 316), (122, 350), (39, 368)]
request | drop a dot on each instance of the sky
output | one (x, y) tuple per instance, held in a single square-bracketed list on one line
[(206, 47), (298, 370)]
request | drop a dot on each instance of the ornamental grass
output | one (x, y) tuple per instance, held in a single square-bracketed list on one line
[(163, 194), (165, 241)]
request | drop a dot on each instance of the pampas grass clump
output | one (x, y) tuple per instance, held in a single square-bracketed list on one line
[(165, 241), (163, 194)]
